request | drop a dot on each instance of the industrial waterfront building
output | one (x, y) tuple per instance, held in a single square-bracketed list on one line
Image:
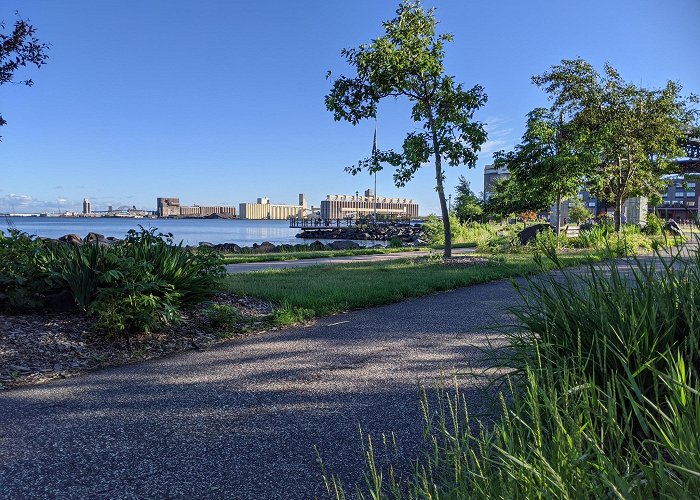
[(263, 209), (170, 207), (341, 206)]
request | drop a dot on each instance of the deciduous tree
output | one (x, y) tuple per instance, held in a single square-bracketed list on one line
[(408, 61), (467, 206), (633, 132), (546, 162), (18, 48)]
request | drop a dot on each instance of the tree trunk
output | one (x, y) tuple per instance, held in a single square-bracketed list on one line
[(618, 214), (558, 219), (439, 185)]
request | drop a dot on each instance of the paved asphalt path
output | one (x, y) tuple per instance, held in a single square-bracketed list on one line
[(263, 266), (241, 420)]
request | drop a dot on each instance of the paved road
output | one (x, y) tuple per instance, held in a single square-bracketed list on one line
[(263, 266), (241, 420)]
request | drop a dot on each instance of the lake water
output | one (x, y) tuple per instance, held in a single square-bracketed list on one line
[(189, 231)]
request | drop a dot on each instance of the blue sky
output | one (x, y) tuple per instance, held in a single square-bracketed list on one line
[(220, 102)]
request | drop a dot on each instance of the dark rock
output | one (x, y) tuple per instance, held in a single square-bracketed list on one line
[(528, 234), (265, 247), (344, 245), (672, 227), (230, 248), (60, 302), (72, 239), (317, 245), (94, 238), (99, 239)]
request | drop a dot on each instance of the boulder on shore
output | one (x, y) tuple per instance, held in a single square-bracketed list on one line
[(344, 245), (317, 245), (72, 239), (264, 247), (528, 234), (672, 227)]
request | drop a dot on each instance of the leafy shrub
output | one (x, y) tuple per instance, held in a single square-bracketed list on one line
[(147, 307), (467, 232), (23, 280), (223, 316), (395, 242), (602, 236), (140, 283), (654, 225)]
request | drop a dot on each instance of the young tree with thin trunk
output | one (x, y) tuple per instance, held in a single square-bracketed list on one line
[(634, 133), (408, 61)]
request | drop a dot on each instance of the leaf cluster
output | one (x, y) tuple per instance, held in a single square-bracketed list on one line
[(408, 61), (632, 133), (139, 284), (19, 48)]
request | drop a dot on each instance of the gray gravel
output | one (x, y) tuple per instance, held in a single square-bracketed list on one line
[(241, 420)]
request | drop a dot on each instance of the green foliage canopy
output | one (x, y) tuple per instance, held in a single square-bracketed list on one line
[(632, 132), (17, 49), (546, 167), (468, 206)]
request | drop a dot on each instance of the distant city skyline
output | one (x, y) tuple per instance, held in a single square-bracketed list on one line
[(222, 102)]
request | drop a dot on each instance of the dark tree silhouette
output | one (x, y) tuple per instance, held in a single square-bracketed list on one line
[(19, 48)]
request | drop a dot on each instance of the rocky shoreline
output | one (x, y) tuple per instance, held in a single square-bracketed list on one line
[(406, 233)]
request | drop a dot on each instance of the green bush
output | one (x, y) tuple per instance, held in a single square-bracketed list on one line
[(654, 225), (223, 317), (467, 232), (602, 236), (23, 280), (144, 307), (395, 242), (138, 284)]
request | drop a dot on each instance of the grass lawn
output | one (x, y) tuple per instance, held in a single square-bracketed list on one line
[(323, 290), (317, 254)]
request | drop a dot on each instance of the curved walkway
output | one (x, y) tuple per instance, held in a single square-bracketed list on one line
[(242, 420)]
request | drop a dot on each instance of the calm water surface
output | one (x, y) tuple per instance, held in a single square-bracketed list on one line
[(189, 231)]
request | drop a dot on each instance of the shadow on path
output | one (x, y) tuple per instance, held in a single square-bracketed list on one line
[(241, 420)]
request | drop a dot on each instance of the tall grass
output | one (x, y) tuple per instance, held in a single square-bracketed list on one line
[(474, 233), (603, 397)]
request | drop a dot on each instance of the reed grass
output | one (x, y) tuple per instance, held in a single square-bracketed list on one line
[(602, 400)]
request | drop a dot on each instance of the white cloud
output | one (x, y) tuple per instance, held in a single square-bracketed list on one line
[(24, 203), (499, 136)]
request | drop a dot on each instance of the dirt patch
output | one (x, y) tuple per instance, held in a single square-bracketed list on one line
[(465, 261), (35, 348)]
